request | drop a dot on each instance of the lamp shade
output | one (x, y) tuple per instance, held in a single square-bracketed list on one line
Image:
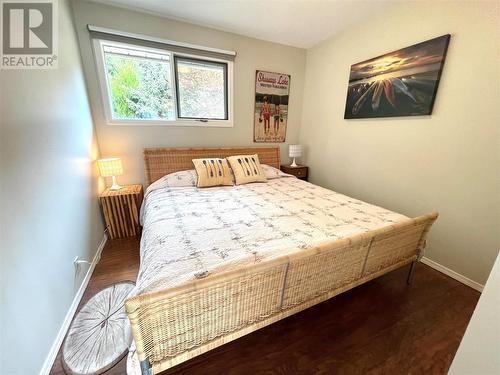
[(110, 167), (295, 151)]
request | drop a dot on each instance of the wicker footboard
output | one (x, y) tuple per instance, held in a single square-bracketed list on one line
[(174, 325)]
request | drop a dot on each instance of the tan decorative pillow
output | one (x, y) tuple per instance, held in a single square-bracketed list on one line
[(246, 168), (212, 172)]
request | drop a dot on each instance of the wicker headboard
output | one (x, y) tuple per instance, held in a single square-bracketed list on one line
[(161, 161)]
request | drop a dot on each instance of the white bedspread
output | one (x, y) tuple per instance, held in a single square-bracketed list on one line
[(191, 233)]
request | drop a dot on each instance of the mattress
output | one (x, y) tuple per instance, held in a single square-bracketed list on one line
[(191, 233)]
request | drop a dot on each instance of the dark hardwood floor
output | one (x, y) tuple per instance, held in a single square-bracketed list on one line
[(381, 327)]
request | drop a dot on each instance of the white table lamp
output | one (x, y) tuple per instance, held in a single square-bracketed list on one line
[(294, 151), (111, 167)]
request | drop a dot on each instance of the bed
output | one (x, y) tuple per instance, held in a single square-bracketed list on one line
[(219, 263)]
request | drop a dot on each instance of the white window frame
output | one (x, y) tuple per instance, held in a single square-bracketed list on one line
[(102, 77)]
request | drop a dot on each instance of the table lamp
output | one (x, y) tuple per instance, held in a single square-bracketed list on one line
[(294, 151), (111, 167)]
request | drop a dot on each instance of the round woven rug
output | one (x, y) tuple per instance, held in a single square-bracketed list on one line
[(100, 335)]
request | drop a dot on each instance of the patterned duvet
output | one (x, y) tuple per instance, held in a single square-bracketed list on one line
[(194, 232)]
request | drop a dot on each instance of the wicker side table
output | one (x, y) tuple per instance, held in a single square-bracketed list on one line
[(121, 210)]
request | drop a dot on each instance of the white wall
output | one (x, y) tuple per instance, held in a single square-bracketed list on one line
[(448, 161), (128, 141), (49, 210), (479, 350)]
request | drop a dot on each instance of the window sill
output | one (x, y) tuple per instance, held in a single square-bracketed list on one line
[(174, 123)]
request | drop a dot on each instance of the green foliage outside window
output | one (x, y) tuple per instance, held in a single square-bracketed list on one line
[(140, 88), (201, 90)]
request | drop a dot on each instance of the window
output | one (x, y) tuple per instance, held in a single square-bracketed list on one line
[(201, 89), (139, 84), (150, 86)]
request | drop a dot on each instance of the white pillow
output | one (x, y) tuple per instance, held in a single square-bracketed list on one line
[(272, 173), (177, 179), (189, 178)]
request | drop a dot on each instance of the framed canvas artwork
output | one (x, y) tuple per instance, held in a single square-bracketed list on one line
[(400, 83), (271, 106)]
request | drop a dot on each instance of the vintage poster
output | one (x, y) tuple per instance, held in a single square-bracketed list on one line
[(271, 106)]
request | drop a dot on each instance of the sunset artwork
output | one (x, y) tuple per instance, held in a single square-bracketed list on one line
[(400, 83)]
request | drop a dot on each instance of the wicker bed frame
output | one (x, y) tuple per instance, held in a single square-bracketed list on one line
[(174, 325)]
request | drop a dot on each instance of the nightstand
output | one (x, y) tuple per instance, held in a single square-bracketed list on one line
[(121, 210), (300, 171)]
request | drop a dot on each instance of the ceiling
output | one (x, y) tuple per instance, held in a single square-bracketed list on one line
[(298, 23)]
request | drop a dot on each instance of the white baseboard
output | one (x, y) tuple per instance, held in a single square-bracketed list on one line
[(452, 274), (51, 357)]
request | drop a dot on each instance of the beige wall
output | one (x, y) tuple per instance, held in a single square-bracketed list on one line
[(49, 209), (128, 141), (448, 161)]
